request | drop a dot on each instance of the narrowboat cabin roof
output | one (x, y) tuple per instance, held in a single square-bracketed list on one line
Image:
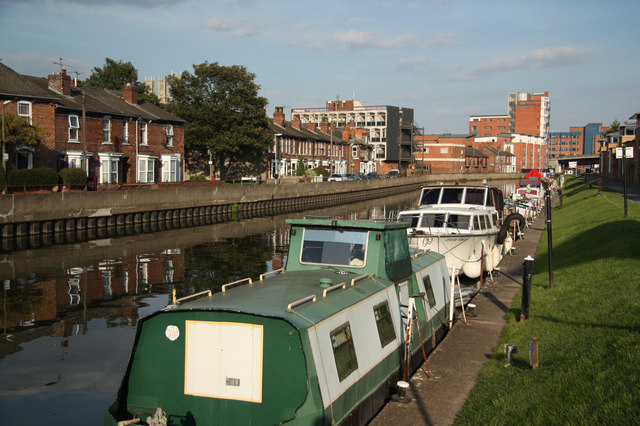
[(310, 291)]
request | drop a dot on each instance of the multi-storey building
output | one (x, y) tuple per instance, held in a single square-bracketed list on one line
[(383, 123), (443, 153), (488, 125), (529, 114), (123, 139), (563, 144)]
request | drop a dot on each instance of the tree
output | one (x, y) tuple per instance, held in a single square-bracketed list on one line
[(614, 127), (18, 132), (115, 75), (224, 117)]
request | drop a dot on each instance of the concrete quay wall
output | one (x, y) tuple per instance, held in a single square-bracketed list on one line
[(22, 215)]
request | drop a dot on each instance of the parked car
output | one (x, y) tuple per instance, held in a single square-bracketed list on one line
[(352, 176), (337, 177), (393, 173), (372, 175)]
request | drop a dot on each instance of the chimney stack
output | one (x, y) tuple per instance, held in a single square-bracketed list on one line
[(130, 94), (295, 122), (278, 116), (60, 83)]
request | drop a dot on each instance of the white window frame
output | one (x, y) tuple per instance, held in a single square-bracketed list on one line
[(146, 168), (144, 133), (125, 132), (109, 167), (74, 159), (354, 151), (29, 114), (169, 131), (170, 168), (106, 129), (74, 128), (444, 150)]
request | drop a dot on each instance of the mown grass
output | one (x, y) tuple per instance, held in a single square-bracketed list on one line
[(588, 326)]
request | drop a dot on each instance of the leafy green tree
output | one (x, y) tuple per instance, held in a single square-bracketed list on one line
[(18, 131), (224, 117), (613, 127), (115, 75), (301, 169)]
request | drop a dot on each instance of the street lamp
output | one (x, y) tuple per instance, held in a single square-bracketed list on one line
[(4, 159)]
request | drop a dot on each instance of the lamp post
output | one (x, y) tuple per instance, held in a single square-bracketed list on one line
[(4, 159)]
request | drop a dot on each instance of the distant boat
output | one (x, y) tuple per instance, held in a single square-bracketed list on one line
[(463, 223), (322, 342)]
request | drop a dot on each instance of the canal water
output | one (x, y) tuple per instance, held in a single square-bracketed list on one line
[(69, 312)]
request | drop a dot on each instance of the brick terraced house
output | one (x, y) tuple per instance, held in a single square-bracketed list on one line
[(126, 140)]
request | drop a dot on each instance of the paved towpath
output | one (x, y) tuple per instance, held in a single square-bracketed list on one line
[(459, 358)]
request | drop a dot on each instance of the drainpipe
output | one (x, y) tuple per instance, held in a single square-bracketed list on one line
[(135, 167)]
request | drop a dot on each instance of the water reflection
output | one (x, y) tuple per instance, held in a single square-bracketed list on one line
[(69, 312)]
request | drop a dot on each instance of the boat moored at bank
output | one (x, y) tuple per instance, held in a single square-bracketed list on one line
[(322, 341)]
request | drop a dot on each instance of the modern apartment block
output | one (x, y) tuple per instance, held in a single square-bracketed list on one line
[(488, 125), (385, 125), (530, 114)]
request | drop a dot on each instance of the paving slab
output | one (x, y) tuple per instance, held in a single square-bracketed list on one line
[(457, 361)]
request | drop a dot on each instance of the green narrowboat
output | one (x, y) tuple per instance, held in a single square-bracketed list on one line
[(320, 342)]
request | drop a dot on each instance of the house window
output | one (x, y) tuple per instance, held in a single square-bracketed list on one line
[(170, 168), (24, 110), (125, 131), (344, 351), (354, 151), (169, 129), (384, 323), (444, 150), (146, 169), (106, 129), (109, 167), (74, 159), (144, 140), (74, 128)]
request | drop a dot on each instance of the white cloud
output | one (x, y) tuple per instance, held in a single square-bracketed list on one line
[(357, 40), (236, 27), (544, 58)]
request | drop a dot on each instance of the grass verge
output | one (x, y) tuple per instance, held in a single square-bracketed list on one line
[(588, 325)]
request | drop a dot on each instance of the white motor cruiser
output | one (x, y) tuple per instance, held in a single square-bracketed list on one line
[(463, 223)]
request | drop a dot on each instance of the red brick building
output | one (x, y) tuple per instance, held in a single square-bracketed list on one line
[(125, 139), (345, 150), (441, 153)]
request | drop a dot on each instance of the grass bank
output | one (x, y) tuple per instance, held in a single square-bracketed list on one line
[(588, 326)]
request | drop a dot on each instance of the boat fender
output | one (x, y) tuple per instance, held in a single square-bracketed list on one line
[(504, 229), (471, 268)]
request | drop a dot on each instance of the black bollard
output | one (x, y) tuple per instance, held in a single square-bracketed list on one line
[(549, 239), (526, 288)]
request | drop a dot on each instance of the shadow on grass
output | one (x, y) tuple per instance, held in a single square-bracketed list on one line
[(591, 324), (606, 241)]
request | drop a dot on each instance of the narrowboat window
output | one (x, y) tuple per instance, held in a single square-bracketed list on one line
[(411, 219), (428, 288), (334, 247), (344, 352), (430, 196), (385, 324), (452, 195), (495, 219), (435, 220), (459, 221), (475, 196)]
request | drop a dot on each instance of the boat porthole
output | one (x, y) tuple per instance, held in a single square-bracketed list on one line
[(172, 332)]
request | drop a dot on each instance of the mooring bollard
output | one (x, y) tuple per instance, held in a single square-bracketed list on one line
[(526, 288), (401, 396)]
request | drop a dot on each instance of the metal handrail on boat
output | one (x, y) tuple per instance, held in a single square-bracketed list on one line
[(332, 288), (353, 281), (224, 287), (192, 296), (270, 272), (311, 297)]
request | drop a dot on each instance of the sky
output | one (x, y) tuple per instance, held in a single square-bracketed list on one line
[(446, 59)]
